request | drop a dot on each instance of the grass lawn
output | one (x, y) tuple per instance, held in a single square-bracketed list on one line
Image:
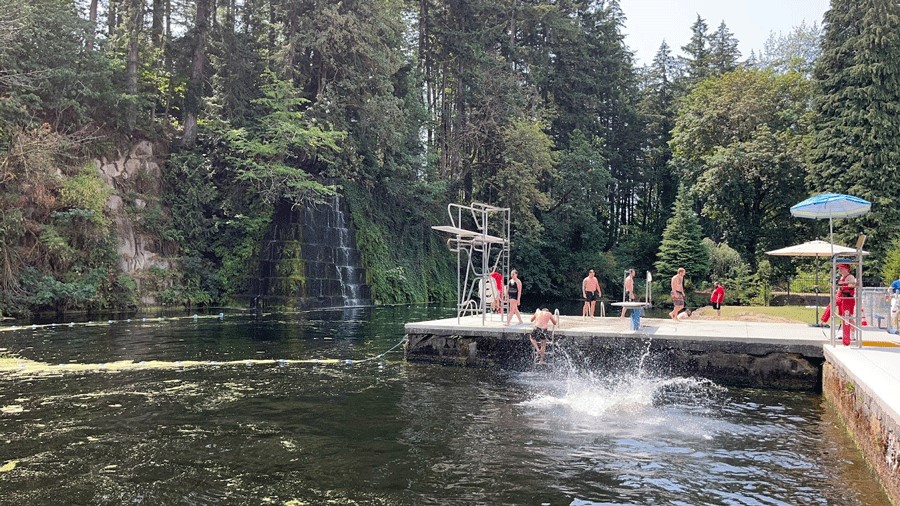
[(799, 314)]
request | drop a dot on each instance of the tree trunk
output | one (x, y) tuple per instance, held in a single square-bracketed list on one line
[(92, 17), (194, 91), (291, 32), (425, 61), (156, 29), (137, 22), (167, 57), (111, 17)]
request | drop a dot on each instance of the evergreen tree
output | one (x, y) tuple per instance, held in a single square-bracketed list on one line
[(857, 129), (592, 87), (697, 61), (657, 108), (572, 236), (682, 243), (723, 50)]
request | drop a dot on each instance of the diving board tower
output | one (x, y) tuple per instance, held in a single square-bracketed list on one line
[(479, 235)]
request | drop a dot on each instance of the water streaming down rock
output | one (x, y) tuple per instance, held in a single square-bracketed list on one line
[(309, 259)]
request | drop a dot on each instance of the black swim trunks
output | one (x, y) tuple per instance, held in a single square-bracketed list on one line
[(591, 296), (539, 334), (628, 297)]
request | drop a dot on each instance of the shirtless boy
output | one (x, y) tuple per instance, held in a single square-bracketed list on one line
[(629, 289), (539, 337), (590, 290), (677, 293)]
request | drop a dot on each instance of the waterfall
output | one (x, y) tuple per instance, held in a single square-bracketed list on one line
[(309, 258), (347, 262)]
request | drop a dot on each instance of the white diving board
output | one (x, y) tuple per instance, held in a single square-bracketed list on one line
[(469, 234)]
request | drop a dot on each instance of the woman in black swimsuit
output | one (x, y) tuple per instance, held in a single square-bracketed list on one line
[(514, 295)]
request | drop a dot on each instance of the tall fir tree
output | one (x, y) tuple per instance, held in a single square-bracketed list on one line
[(682, 243), (857, 128), (697, 50), (657, 107), (723, 50)]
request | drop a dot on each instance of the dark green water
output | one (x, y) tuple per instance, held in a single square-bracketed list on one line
[(387, 432)]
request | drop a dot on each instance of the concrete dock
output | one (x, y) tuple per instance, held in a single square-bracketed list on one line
[(863, 384), (773, 355)]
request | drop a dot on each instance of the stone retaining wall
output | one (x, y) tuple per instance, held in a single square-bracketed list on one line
[(875, 432), (763, 365)]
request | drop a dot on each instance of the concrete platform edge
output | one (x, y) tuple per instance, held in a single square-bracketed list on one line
[(855, 389)]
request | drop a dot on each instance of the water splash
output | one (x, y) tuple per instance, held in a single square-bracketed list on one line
[(629, 402), (598, 396)]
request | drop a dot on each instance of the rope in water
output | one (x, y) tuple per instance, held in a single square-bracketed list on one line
[(220, 316), (376, 357), (14, 364)]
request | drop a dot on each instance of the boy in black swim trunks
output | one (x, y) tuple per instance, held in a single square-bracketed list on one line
[(539, 336), (590, 290)]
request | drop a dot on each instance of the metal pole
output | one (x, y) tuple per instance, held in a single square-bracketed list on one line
[(458, 262), (816, 323), (857, 295), (831, 302), (485, 253)]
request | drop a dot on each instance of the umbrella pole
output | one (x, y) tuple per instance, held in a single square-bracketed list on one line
[(816, 323), (831, 303)]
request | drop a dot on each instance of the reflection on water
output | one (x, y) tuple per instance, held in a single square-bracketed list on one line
[(386, 432)]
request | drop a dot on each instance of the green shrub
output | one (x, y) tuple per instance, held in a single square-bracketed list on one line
[(88, 192)]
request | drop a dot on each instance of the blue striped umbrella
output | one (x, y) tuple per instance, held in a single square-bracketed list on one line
[(831, 205)]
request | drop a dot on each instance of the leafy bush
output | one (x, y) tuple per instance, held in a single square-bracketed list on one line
[(728, 268), (762, 280), (86, 191)]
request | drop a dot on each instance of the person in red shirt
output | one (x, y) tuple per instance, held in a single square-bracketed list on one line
[(718, 298), (498, 283)]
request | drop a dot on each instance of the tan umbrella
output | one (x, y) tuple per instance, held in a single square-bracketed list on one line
[(814, 249)]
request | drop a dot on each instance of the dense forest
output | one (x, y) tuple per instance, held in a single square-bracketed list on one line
[(404, 106)]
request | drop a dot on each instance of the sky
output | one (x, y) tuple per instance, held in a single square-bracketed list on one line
[(648, 22)]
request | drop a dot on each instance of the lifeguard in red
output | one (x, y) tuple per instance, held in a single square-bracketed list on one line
[(846, 298)]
